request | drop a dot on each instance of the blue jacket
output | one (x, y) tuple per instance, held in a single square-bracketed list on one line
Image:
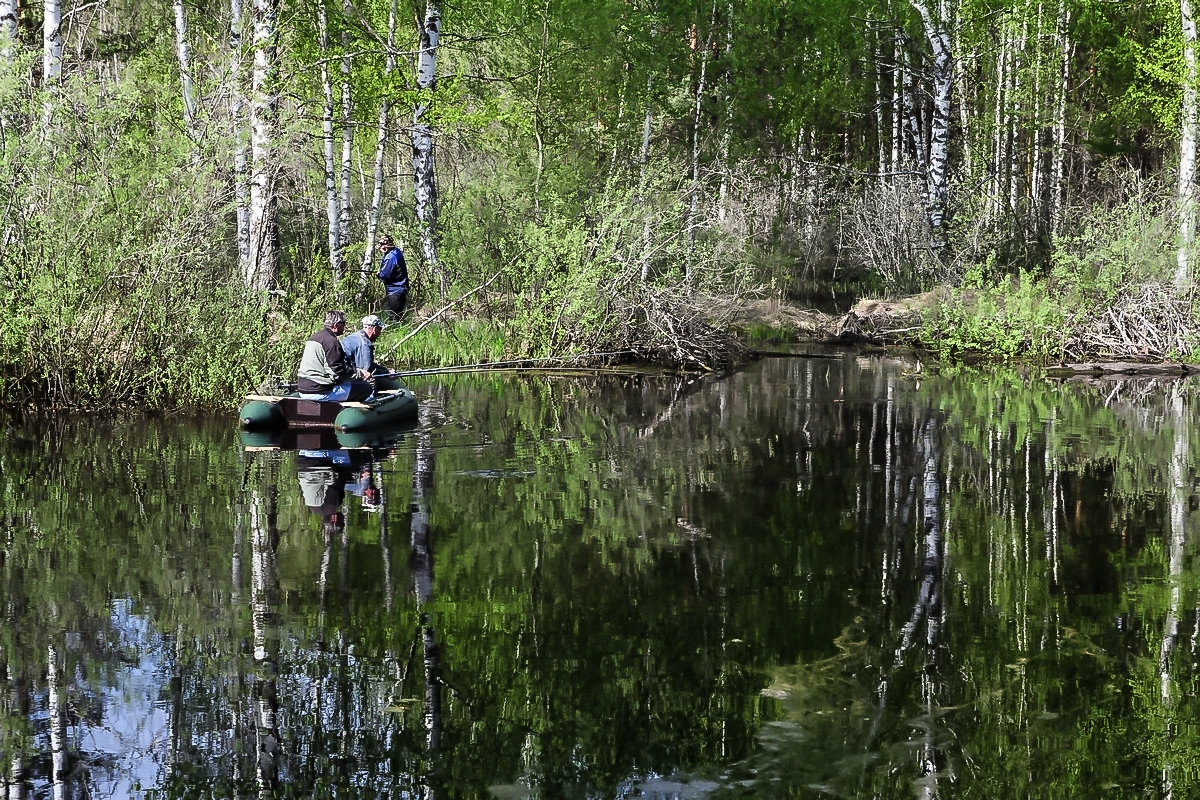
[(393, 271), (359, 349)]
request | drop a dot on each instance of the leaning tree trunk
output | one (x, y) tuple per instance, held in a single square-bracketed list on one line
[(52, 58), (381, 136), (263, 265), (183, 53), (1187, 150), (424, 180), (939, 129)]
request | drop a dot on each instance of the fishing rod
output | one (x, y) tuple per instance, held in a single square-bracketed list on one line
[(492, 365)]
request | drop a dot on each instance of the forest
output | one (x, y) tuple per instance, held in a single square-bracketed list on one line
[(186, 189)]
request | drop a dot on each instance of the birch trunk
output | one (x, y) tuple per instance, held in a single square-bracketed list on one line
[(1178, 491), (1187, 150), (1060, 118), (237, 105), (644, 165), (183, 53), (264, 602), (643, 177), (263, 264), (727, 124), (56, 707), (332, 235), (9, 14), (422, 571), (999, 128), (347, 143), (52, 58), (381, 137), (1013, 115), (694, 202), (939, 129), (1036, 174), (539, 138), (424, 180)]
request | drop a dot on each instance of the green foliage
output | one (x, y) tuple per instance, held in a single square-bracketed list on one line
[(1114, 248), (1013, 319)]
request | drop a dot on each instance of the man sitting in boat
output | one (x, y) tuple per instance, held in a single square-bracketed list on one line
[(325, 373), (360, 349)]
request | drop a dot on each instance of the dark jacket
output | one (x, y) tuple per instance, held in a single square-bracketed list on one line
[(324, 364)]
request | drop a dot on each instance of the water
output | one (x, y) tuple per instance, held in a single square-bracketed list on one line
[(836, 576)]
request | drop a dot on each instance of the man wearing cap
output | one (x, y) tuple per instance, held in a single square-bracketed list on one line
[(325, 373), (394, 274), (360, 350)]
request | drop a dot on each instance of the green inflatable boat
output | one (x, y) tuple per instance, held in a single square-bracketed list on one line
[(263, 412)]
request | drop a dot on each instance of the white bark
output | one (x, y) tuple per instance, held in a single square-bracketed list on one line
[(424, 179), (539, 138), (9, 14), (347, 142), (381, 136), (263, 265), (1177, 502), (52, 58), (999, 128), (333, 238), (1060, 118), (939, 129), (183, 53), (1036, 175), (237, 105), (264, 602), (694, 204), (1187, 150), (643, 177), (56, 706), (898, 109), (727, 125), (1014, 113)]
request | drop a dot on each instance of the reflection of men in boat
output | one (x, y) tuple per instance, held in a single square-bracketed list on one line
[(327, 475), (323, 483), (360, 349), (325, 373)]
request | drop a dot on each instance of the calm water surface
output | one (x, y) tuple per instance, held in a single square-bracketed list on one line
[(836, 576)]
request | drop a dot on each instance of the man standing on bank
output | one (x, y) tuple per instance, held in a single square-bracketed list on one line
[(394, 274), (325, 373)]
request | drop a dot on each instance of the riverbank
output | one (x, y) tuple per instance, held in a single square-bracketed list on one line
[(1151, 329)]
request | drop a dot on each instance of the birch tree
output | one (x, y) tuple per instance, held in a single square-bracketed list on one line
[(237, 107), (332, 213), (425, 199), (701, 87), (183, 54), (52, 59), (263, 264), (1190, 130), (347, 138), (937, 34), (9, 14)]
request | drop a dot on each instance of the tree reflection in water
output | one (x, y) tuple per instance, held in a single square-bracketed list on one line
[(842, 575)]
